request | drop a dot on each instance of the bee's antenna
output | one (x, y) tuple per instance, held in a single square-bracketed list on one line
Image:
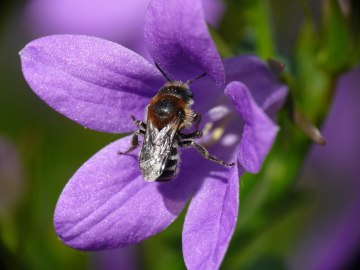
[(162, 72), (188, 82)]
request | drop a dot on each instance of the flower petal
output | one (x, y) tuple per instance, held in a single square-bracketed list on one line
[(206, 95), (179, 41), (211, 219), (259, 130), (265, 88), (94, 82), (108, 204)]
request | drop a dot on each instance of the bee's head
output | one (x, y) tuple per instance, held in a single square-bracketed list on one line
[(178, 89)]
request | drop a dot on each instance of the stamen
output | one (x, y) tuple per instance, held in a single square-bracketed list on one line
[(216, 132), (207, 128)]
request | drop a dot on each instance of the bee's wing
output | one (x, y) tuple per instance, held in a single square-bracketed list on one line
[(156, 149)]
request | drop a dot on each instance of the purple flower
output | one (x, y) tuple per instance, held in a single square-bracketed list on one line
[(99, 84), (11, 176)]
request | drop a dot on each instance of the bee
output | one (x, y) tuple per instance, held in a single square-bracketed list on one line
[(168, 113)]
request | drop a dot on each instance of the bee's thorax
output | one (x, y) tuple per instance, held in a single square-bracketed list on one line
[(172, 102)]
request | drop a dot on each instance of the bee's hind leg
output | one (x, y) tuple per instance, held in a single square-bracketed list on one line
[(134, 142), (204, 152)]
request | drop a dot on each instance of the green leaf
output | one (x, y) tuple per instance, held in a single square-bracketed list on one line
[(335, 50), (247, 28)]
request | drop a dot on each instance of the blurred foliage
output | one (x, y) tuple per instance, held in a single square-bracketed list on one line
[(6, 10), (51, 147), (317, 42), (272, 211)]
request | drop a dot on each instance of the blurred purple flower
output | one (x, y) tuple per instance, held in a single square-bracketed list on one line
[(332, 236), (99, 84), (11, 176), (117, 20)]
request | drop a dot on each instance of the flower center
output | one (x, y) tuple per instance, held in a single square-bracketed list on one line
[(214, 130)]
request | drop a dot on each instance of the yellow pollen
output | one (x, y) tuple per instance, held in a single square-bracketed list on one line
[(217, 133)]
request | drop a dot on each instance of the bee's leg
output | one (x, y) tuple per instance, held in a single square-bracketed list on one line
[(205, 153), (139, 123), (134, 142), (196, 134), (193, 135)]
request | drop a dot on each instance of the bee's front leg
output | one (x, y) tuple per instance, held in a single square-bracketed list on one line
[(135, 139), (193, 135), (139, 123), (134, 142), (197, 133)]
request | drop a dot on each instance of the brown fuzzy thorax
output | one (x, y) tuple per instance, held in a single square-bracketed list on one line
[(165, 108)]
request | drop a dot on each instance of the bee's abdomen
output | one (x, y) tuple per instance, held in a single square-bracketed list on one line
[(172, 165)]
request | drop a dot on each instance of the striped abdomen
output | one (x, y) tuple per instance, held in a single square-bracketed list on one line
[(172, 164)]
